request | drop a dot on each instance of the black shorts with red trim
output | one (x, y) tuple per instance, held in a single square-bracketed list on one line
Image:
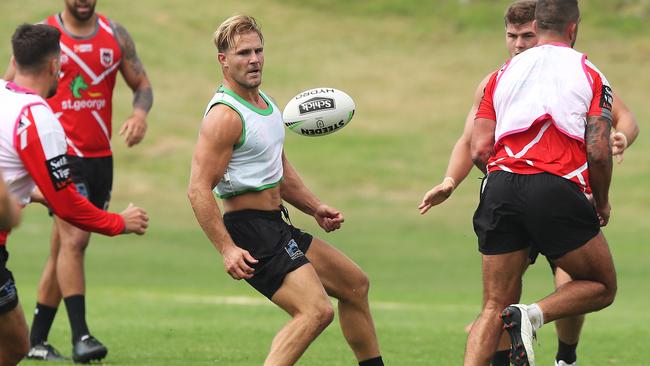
[(543, 210), (8, 292), (279, 247)]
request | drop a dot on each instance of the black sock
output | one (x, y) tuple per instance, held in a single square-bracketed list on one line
[(566, 352), (43, 319), (76, 306), (501, 358), (377, 361)]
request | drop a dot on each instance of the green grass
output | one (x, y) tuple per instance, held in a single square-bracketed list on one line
[(412, 68)]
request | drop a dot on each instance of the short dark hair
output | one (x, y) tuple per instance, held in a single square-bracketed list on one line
[(520, 12), (555, 15), (33, 44)]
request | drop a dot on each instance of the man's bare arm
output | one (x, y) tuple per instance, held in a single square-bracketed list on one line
[(219, 132), (136, 78), (627, 128), (460, 161), (483, 142), (10, 73), (599, 158), (294, 191)]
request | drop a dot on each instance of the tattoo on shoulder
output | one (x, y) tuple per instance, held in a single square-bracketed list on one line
[(129, 55)]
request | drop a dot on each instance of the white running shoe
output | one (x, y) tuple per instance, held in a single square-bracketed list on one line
[(518, 325), (562, 363)]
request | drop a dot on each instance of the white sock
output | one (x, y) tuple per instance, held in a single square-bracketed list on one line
[(536, 316)]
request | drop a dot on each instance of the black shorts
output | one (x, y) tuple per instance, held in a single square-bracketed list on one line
[(279, 247), (93, 178), (8, 292), (543, 210), (532, 257)]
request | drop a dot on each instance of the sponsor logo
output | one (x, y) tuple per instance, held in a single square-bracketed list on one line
[(79, 104), (312, 92), (77, 85), (293, 250), (83, 48), (322, 130), (8, 292), (606, 99), (106, 56), (82, 189), (59, 171), (315, 105), (64, 59)]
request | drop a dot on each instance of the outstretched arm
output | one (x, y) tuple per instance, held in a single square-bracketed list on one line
[(10, 73), (219, 132), (136, 78), (294, 191), (626, 126), (460, 161)]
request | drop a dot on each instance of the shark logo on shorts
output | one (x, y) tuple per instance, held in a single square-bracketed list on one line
[(7, 292), (293, 250)]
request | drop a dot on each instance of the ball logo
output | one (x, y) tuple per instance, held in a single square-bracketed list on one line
[(315, 105), (320, 123)]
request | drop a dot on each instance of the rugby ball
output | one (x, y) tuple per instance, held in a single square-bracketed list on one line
[(318, 112)]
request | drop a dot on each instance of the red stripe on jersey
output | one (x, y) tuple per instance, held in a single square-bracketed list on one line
[(542, 148), (52, 178), (85, 94)]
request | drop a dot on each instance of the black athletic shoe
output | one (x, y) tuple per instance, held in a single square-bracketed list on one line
[(517, 324), (44, 352), (87, 349)]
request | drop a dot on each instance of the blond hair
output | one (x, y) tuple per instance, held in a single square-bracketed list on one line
[(224, 36)]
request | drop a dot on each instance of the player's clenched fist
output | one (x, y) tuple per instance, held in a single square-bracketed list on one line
[(136, 220), (236, 262)]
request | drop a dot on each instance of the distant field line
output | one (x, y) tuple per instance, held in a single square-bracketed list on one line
[(261, 301)]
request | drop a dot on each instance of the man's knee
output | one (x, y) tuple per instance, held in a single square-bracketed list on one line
[(358, 286), (609, 294), (321, 315), (13, 351), (75, 245)]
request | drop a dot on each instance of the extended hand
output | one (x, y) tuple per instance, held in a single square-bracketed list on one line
[(133, 130), (135, 220), (619, 144), (437, 195), (236, 262), (328, 218)]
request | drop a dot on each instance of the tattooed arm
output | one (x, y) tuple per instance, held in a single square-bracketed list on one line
[(599, 157), (136, 78)]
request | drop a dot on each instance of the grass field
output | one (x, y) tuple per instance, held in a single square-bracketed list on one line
[(411, 66)]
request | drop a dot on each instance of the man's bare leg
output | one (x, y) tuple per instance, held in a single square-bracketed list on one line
[(345, 281), (302, 296), (48, 297), (48, 288), (594, 282), (568, 329), (501, 287), (14, 343)]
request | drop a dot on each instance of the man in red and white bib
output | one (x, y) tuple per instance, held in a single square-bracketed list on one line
[(542, 135), (33, 153), (93, 50)]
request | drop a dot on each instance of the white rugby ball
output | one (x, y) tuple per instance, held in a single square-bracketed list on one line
[(318, 112)]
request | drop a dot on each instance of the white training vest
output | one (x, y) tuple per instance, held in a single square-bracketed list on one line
[(256, 162), (15, 104), (547, 80)]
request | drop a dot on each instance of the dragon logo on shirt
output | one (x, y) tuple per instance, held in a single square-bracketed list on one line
[(78, 84)]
